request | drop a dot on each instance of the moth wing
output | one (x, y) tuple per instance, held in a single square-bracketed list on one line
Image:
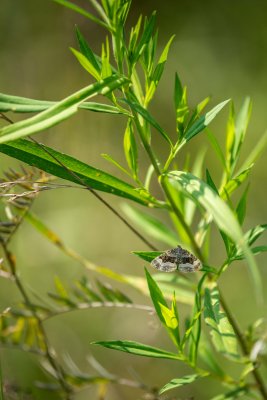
[(164, 266)]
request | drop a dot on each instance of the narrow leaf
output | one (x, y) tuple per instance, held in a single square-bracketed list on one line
[(86, 64), (60, 111), (204, 196), (24, 105), (35, 155), (151, 225), (86, 50), (147, 255), (232, 395), (156, 296), (81, 11), (138, 349), (222, 333), (178, 382), (242, 206), (203, 121), (148, 117), (130, 149)]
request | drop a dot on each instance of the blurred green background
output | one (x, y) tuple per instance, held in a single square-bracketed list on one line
[(220, 50)]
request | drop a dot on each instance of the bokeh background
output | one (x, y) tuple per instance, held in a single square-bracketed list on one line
[(220, 50)]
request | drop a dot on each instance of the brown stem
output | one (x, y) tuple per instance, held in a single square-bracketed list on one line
[(48, 351), (244, 347)]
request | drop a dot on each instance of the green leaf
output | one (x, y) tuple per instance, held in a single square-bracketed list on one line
[(181, 106), (130, 149), (106, 70), (81, 11), (34, 155), (217, 148), (158, 72), (60, 111), (114, 162), (86, 64), (252, 235), (242, 206), (202, 122), (87, 51), (24, 105), (147, 255), (207, 355), (222, 333), (236, 130), (235, 182), (138, 349), (148, 117), (144, 40), (204, 196), (156, 296), (233, 394), (256, 152), (254, 250), (241, 125), (178, 382), (151, 225), (171, 321)]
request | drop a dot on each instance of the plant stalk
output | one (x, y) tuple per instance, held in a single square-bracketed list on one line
[(48, 352)]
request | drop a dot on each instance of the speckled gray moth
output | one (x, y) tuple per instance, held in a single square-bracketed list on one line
[(176, 259)]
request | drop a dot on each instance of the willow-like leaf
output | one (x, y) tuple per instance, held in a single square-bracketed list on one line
[(138, 349), (35, 155), (224, 217), (60, 111)]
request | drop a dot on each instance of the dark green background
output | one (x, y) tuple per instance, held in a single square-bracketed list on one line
[(220, 50)]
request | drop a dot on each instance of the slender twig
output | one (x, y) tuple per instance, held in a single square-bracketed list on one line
[(244, 347), (94, 192), (48, 351), (100, 304), (100, 198)]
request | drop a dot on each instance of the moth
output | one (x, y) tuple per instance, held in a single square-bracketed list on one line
[(176, 259)]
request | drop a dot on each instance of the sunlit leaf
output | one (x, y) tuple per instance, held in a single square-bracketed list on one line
[(232, 395), (86, 64), (171, 321), (156, 296), (235, 182), (181, 107), (35, 155), (179, 382), (144, 39), (130, 149), (222, 333), (202, 122), (147, 255), (242, 206), (87, 51), (138, 349), (148, 117), (81, 11), (60, 111), (24, 105), (207, 198), (158, 72)]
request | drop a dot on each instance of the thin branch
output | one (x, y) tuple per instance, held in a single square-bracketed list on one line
[(99, 304), (48, 351), (100, 198), (244, 347)]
